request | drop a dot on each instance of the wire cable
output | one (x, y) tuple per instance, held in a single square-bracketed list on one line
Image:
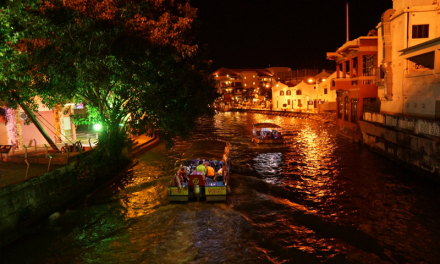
[(52, 126)]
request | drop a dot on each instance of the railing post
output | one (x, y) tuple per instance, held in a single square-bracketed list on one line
[(25, 152), (50, 159), (25, 160), (90, 144), (67, 159), (47, 150), (35, 143)]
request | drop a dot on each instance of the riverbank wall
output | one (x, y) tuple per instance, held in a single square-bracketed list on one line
[(412, 143), (26, 202), (326, 117)]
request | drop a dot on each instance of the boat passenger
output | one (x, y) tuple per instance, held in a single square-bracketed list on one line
[(201, 167), (210, 172), (182, 174)]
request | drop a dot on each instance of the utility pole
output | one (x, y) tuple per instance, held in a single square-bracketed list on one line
[(348, 38)]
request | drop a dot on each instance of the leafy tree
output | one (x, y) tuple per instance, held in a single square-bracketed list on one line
[(130, 61)]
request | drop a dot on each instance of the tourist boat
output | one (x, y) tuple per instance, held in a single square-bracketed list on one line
[(267, 133), (197, 186)]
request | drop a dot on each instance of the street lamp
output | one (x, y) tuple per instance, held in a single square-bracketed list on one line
[(317, 94)]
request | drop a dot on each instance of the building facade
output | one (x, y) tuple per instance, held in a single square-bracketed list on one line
[(356, 64), (16, 128), (242, 88), (309, 94), (409, 56)]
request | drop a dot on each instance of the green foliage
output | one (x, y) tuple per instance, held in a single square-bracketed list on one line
[(130, 62), (107, 154)]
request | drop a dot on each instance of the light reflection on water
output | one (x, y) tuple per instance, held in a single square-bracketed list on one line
[(319, 198)]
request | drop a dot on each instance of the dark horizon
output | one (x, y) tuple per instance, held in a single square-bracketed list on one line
[(256, 34)]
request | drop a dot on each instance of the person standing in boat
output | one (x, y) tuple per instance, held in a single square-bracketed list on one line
[(210, 172), (201, 168), (182, 174)]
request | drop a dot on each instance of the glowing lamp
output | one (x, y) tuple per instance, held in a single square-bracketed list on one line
[(97, 127), (310, 80), (323, 80)]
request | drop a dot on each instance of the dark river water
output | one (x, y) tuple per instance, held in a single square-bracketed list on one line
[(318, 199)]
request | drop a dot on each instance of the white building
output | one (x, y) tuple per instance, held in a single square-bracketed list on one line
[(305, 95), (409, 56)]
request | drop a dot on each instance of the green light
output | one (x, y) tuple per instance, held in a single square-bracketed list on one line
[(97, 127)]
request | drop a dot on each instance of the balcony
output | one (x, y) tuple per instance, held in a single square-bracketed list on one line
[(348, 83)]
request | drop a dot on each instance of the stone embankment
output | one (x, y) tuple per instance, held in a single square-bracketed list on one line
[(418, 152), (326, 117), (27, 201)]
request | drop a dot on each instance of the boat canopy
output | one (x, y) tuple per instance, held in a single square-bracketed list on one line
[(266, 125), (207, 149)]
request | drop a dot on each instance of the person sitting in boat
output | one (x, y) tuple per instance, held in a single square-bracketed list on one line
[(201, 168), (221, 173), (210, 172), (183, 176)]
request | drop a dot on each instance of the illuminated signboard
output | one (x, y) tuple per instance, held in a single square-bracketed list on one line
[(175, 191), (215, 190)]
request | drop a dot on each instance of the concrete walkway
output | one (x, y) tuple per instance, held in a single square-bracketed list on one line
[(12, 172), (15, 172)]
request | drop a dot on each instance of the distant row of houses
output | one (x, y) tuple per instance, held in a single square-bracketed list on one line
[(277, 87), (395, 71)]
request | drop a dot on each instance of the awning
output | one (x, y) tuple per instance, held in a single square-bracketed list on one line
[(266, 125)]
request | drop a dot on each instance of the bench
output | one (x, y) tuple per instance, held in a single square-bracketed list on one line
[(4, 149)]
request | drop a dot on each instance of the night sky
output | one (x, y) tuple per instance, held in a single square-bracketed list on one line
[(290, 33)]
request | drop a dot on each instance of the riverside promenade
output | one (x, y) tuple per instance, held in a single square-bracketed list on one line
[(326, 117), (13, 169)]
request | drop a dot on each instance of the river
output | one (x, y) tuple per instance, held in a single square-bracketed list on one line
[(318, 199)]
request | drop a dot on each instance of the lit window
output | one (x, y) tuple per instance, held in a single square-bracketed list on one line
[(254, 83), (254, 76), (245, 84), (245, 77)]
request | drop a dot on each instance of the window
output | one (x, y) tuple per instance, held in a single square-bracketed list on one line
[(299, 103), (346, 108), (245, 77), (281, 93), (254, 76), (238, 84), (354, 103), (288, 92), (288, 101), (325, 90), (369, 65), (245, 84), (298, 92), (420, 31), (254, 83), (340, 108)]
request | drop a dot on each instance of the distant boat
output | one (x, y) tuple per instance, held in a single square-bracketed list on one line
[(267, 133)]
